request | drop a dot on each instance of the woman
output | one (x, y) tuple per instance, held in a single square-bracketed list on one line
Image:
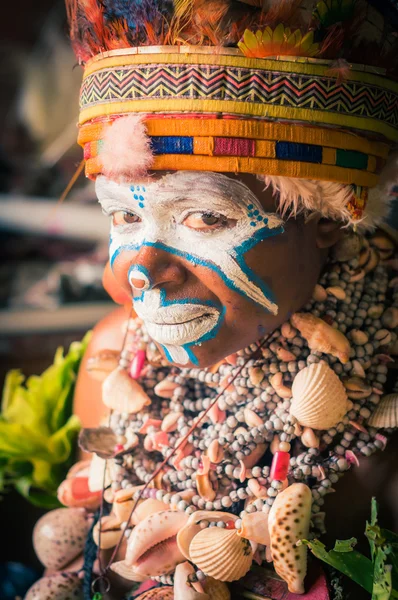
[(250, 373)]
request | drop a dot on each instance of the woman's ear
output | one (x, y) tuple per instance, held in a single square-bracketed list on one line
[(328, 233)]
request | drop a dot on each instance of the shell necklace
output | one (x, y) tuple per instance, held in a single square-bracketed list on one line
[(273, 426)]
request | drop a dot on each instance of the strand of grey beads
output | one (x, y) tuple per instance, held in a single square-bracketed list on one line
[(270, 410), (165, 579)]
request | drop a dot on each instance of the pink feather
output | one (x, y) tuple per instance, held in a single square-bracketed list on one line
[(126, 153)]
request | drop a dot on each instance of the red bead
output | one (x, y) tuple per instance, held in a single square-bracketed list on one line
[(230, 525), (118, 448), (137, 364), (280, 466)]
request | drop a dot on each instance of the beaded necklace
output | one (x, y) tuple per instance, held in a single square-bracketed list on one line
[(251, 444)]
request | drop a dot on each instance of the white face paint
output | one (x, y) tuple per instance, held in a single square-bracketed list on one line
[(173, 214)]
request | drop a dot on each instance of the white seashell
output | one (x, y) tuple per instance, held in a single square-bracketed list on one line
[(165, 388), (289, 521), (215, 452), (337, 292), (373, 260), (309, 438), (96, 481), (252, 419), (123, 394), (358, 369), (188, 532), (321, 336), (121, 569), (390, 318), (288, 331), (383, 336), (256, 375), (375, 311), (221, 553), (158, 529), (319, 398), (385, 415), (360, 338), (282, 390), (110, 532), (102, 363), (319, 294), (255, 528), (284, 355), (170, 421)]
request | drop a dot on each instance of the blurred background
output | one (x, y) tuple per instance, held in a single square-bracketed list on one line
[(52, 255)]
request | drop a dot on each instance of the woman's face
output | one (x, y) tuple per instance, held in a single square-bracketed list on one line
[(210, 264)]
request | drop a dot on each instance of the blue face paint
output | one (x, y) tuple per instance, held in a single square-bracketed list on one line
[(171, 206)]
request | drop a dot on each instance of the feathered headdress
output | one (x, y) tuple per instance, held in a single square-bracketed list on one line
[(276, 88)]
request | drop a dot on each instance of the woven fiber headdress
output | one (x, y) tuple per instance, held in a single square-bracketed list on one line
[(277, 89)]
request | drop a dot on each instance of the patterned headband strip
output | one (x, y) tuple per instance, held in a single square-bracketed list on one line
[(173, 80), (231, 145)]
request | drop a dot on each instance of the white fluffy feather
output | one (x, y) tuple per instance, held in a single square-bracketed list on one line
[(126, 153)]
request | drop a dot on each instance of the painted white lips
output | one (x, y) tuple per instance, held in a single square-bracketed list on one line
[(178, 324)]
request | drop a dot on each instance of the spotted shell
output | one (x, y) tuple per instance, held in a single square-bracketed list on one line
[(289, 521), (221, 553), (59, 536), (319, 398), (386, 414), (62, 586)]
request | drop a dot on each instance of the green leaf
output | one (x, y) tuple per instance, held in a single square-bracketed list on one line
[(352, 563), (345, 545), (37, 429), (35, 496)]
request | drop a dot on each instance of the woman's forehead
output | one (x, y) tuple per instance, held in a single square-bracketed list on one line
[(229, 187)]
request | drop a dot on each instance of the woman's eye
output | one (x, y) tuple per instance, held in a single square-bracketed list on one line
[(122, 217), (205, 221)]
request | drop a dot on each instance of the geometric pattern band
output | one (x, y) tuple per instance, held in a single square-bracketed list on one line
[(221, 146), (258, 91)]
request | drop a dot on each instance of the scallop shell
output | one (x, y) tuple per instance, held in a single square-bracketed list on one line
[(188, 532), (62, 586), (321, 336), (289, 521), (319, 398), (385, 415), (221, 553), (59, 536), (123, 394)]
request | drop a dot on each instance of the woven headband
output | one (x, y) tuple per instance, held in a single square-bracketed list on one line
[(215, 110)]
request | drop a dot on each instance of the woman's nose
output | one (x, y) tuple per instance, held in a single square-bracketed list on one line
[(153, 268)]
